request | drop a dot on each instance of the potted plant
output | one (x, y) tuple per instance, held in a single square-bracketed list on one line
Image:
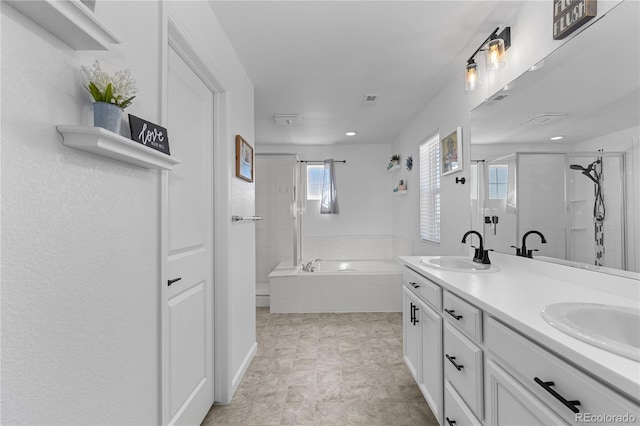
[(111, 93), (395, 159)]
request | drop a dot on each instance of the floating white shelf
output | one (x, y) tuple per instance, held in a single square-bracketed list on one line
[(401, 192), (108, 144), (394, 168), (70, 21)]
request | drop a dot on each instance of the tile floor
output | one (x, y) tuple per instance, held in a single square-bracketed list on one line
[(326, 369)]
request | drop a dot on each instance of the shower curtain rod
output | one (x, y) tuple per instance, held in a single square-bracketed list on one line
[(322, 161)]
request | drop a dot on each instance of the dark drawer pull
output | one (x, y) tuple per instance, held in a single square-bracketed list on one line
[(451, 422), (413, 314), (173, 281), (453, 314), (453, 361), (547, 386), (414, 285)]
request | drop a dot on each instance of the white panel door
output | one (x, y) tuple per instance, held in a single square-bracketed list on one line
[(189, 329)]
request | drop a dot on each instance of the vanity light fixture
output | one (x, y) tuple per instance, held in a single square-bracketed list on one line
[(351, 133), (495, 45)]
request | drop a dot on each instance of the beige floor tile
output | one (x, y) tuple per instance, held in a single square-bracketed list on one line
[(326, 369)]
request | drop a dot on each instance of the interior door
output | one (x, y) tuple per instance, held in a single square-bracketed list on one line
[(189, 259)]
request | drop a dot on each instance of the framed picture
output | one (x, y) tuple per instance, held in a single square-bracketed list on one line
[(244, 159), (451, 152)]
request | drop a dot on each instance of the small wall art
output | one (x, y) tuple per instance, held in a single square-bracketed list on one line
[(451, 152), (244, 159)]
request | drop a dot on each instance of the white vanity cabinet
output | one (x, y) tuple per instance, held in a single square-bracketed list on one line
[(423, 338), (476, 368), (561, 391)]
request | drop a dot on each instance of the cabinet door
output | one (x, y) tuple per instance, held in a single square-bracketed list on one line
[(431, 372), (511, 404), (411, 333)]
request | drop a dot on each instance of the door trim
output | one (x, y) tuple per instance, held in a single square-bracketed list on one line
[(176, 35)]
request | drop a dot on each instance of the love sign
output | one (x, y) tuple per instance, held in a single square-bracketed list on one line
[(149, 134)]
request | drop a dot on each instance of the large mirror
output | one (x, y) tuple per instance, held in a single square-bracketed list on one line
[(579, 192)]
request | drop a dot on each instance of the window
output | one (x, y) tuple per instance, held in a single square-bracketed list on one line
[(498, 182), (314, 181), (430, 189)]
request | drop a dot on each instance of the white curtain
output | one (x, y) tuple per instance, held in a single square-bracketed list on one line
[(329, 204)]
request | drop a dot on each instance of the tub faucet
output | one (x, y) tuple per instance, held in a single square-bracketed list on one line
[(523, 250), (309, 266), (481, 255)]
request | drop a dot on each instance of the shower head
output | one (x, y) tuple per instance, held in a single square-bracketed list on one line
[(588, 171)]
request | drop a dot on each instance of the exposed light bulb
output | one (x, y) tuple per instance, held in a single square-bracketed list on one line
[(495, 52), (471, 80)]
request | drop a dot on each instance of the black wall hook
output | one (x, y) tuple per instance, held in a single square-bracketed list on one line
[(460, 180)]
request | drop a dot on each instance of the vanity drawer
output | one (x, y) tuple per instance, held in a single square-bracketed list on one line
[(466, 317), (463, 367), (456, 412), (428, 291), (537, 368)]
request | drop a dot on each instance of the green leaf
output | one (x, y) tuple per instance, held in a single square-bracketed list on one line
[(108, 93), (126, 102), (95, 92)]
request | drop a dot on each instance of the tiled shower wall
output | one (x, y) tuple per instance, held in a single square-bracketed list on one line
[(275, 233)]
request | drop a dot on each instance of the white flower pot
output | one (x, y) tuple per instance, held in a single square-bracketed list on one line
[(107, 116)]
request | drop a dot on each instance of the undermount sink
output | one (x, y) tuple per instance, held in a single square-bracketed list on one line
[(613, 328), (458, 264)]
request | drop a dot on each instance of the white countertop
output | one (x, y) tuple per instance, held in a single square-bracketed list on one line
[(517, 294)]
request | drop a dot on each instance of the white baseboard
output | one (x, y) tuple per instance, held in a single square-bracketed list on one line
[(262, 301), (243, 368)]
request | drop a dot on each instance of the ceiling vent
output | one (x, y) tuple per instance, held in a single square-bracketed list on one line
[(288, 120), (497, 98), (544, 119), (370, 99)]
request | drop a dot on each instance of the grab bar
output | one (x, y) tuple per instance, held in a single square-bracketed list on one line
[(241, 218)]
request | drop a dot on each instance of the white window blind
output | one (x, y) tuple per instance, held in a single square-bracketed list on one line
[(430, 189)]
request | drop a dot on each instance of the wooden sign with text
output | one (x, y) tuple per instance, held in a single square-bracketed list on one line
[(149, 134), (569, 15)]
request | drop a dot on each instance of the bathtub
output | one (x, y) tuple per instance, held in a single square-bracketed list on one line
[(337, 286)]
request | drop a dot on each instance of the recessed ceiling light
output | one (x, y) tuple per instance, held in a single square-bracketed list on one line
[(537, 66), (509, 86), (556, 138), (351, 133)]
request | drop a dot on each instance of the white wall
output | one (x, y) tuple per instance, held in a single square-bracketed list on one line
[(362, 230), (531, 29), (80, 264)]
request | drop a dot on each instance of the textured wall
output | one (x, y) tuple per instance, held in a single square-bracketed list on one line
[(79, 242), (80, 233)]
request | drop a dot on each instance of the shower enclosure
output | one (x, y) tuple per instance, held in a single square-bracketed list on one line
[(279, 234), (577, 200)]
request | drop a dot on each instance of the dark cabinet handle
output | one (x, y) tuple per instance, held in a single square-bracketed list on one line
[(415, 317), (452, 359), (547, 386), (412, 313), (453, 314), (173, 281), (414, 285), (449, 421)]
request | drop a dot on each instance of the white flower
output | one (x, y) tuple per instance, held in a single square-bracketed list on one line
[(119, 89)]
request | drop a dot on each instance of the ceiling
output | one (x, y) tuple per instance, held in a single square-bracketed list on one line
[(319, 59), (594, 80)]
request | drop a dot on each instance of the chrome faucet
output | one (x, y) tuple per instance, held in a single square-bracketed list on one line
[(522, 251), (309, 266), (481, 255)]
